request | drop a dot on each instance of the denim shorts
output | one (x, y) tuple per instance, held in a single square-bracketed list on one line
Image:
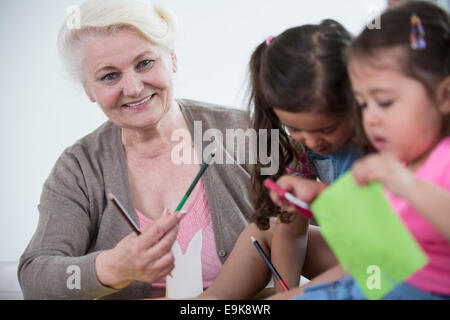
[(347, 289)]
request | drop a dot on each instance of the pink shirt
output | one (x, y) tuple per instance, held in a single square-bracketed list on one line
[(197, 218), (435, 276)]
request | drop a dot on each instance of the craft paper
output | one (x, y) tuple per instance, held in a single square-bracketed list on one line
[(366, 235), (187, 279)]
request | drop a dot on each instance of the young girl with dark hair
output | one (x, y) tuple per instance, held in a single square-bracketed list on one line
[(299, 86), (401, 82)]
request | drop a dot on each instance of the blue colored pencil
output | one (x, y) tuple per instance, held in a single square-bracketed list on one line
[(267, 260)]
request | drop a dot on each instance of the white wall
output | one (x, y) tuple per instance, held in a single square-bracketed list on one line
[(42, 113)]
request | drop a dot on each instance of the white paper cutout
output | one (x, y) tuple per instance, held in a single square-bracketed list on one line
[(186, 280)]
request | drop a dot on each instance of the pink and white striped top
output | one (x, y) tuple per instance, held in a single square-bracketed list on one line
[(197, 218)]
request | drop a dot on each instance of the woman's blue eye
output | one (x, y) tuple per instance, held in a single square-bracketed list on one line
[(109, 77), (145, 63)]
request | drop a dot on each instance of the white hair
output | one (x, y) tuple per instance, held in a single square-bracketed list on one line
[(155, 23)]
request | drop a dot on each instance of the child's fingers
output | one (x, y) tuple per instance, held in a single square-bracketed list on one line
[(288, 182), (276, 199), (356, 175), (298, 187), (361, 171)]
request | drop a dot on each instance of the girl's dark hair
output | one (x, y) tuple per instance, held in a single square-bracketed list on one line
[(301, 70), (428, 66)]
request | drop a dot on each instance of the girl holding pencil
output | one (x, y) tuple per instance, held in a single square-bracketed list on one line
[(299, 85), (129, 156), (401, 82)]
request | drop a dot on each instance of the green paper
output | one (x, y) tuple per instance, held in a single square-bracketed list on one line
[(366, 235)]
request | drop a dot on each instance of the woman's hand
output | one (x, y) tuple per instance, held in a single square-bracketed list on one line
[(386, 169), (146, 257), (303, 189)]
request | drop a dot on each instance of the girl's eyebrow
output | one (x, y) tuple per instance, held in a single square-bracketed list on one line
[(380, 90), (374, 91)]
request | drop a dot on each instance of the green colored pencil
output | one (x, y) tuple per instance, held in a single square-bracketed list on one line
[(199, 174)]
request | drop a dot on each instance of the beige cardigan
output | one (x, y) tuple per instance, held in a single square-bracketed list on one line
[(77, 221)]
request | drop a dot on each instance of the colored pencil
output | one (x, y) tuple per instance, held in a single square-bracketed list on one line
[(124, 213), (300, 205), (197, 178), (127, 217), (267, 260)]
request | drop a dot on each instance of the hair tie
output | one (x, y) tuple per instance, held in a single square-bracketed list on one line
[(417, 35), (269, 39)]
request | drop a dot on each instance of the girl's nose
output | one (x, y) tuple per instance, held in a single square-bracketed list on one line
[(313, 141), (370, 115), (132, 85)]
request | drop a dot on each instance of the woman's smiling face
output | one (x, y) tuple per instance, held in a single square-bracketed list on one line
[(129, 77)]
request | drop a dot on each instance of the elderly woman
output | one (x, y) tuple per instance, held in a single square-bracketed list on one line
[(123, 56)]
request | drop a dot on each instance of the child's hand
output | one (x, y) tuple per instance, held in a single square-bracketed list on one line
[(386, 169), (303, 189)]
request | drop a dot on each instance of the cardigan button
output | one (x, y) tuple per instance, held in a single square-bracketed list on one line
[(222, 253)]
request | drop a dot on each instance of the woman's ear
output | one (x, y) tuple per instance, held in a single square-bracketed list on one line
[(90, 96), (443, 96), (173, 55)]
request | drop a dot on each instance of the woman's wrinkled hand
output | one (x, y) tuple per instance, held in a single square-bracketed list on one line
[(147, 257)]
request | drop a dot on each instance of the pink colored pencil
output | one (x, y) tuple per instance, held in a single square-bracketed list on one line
[(300, 205)]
